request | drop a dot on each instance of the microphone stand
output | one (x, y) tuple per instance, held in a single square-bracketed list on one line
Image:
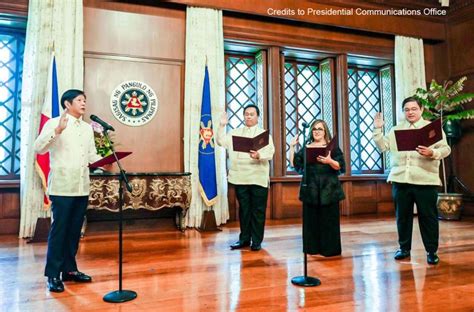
[(305, 280), (119, 296)]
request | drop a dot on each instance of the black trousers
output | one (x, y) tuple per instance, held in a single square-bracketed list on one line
[(425, 197), (252, 205), (63, 240), (321, 229)]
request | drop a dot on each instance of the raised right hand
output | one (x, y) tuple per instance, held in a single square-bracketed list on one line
[(224, 120), (378, 120), (294, 141), (62, 123)]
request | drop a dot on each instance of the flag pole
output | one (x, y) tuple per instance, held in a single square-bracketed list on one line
[(207, 159)]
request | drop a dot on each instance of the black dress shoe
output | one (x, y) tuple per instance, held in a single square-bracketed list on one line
[(239, 245), (401, 254), (255, 247), (77, 277), (55, 284), (432, 258)]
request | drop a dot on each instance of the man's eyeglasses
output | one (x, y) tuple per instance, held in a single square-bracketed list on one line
[(414, 109), (318, 129)]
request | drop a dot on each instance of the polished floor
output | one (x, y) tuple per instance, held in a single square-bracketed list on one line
[(194, 271)]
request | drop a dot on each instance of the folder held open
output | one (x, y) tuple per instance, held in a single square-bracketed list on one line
[(245, 145), (410, 139)]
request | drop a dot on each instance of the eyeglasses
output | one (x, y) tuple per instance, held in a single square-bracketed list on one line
[(318, 129), (414, 109)]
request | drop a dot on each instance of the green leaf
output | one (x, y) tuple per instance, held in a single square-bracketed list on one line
[(465, 114)]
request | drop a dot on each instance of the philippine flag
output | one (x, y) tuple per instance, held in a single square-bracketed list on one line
[(51, 109)]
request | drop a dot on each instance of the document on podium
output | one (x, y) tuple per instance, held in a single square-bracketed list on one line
[(245, 145), (109, 159), (312, 153), (410, 139)]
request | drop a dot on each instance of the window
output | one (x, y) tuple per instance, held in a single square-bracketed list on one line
[(244, 85), (388, 104), (308, 96), (11, 66), (370, 91)]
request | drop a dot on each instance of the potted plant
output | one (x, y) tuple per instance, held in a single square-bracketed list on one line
[(447, 102)]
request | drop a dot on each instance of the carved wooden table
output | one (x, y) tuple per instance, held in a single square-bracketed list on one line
[(151, 191)]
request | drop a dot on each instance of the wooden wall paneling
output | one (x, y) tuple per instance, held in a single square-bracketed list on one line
[(384, 198), (364, 190), (436, 61), (413, 26), (292, 206), (142, 43), (2, 208), (343, 109), (384, 191), (17, 7), (276, 196), (154, 143), (10, 204), (274, 32), (9, 211), (461, 63), (461, 48), (464, 156), (160, 36), (363, 197), (345, 205), (285, 200), (276, 108)]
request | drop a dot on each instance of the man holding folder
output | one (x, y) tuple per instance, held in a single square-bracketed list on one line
[(415, 177), (249, 172)]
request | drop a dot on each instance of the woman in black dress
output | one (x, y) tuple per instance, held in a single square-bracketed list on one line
[(321, 196)]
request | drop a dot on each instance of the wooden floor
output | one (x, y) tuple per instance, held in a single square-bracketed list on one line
[(195, 271)]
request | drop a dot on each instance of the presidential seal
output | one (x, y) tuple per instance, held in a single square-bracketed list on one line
[(133, 103)]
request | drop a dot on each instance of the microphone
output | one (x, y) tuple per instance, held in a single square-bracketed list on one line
[(304, 124), (104, 124)]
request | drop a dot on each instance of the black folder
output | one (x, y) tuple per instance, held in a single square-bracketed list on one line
[(245, 145), (410, 139)]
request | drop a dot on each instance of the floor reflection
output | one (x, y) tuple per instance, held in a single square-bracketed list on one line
[(193, 271)]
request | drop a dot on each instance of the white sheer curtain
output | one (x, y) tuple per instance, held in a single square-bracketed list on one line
[(204, 39), (409, 69), (58, 25)]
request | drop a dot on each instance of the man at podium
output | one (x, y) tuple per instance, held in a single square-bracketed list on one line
[(249, 172), (415, 177), (70, 143)]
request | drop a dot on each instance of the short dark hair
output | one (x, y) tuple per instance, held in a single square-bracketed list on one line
[(411, 99), (250, 106), (70, 95)]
